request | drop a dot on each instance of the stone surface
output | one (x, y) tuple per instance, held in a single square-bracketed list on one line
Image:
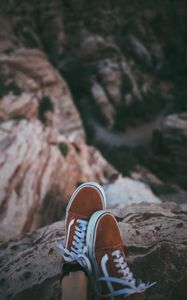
[(18, 106), (125, 191), (114, 53), (101, 99), (119, 51), (170, 146), (34, 77), (39, 171), (121, 66), (142, 174), (123, 63), (30, 86), (155, 240)]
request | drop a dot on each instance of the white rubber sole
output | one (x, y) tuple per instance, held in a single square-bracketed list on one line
[(91, 230), (90, 242), (94, 185)]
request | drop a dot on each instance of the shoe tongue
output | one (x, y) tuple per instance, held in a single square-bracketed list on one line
[(71, 221), (73, 215), (118, 251)]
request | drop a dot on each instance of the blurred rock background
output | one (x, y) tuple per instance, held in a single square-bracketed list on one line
[(93, 91)]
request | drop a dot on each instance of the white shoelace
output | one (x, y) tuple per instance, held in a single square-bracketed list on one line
[(127, 280), (122, 267), (78, 249)]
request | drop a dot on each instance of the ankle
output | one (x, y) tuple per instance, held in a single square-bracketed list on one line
[(71, 268), (137, 297)]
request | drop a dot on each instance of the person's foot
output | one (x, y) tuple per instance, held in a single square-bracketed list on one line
[(87, 199), (106, 253)]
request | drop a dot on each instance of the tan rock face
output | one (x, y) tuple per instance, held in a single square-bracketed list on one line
[(30, 86), (29, 161), (155, 241), (43, 93), (37, 179), (24, 105), (42, 141)]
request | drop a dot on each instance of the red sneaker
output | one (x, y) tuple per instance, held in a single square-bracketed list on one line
[(106, 253), (87, 199)]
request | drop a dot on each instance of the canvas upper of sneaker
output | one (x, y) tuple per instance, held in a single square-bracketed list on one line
[(106, 253), (87, 199)]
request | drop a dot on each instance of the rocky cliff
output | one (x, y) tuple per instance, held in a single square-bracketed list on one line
[(80, 80), (155, 242)]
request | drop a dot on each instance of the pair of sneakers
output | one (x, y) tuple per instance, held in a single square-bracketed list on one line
[(93, 240)]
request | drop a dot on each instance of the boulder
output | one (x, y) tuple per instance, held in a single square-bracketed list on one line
[(170, 146), (155, 240), (125, 191)]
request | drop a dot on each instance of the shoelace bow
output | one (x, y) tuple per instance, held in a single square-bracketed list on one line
[(127, 280), (78, 249)]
